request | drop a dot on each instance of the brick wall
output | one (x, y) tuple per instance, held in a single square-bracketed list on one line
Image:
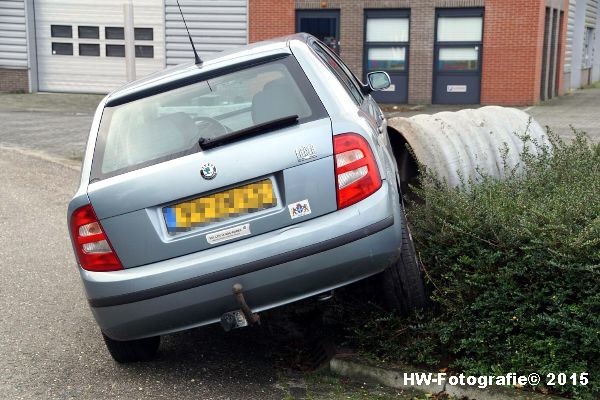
[(512, 41), (268, 19), (513, 52), (13, 80), (422, 27), (420, 67)]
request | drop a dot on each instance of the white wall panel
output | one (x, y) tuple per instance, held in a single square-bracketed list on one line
[(591, 13), (13, 34), (215, 25), (569, 41)]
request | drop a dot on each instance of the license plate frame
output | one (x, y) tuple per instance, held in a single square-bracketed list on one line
[(219, 206)]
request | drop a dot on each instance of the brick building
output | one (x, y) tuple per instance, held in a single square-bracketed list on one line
[(508, 52)]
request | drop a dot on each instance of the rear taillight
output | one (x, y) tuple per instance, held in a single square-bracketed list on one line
[(92, 247), (357, 176)]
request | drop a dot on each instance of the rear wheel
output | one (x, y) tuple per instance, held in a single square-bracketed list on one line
[(403, 284), (132, 350)]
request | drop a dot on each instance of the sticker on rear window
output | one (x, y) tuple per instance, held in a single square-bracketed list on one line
[(299, 209), (228, 234)]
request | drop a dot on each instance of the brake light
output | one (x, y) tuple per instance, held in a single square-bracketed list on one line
[(357, 176), (92, 248)]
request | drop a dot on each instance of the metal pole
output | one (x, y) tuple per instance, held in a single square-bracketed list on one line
[(129, 41)]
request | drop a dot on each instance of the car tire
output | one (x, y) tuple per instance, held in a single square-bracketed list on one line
[(132, 350), (403, 285)]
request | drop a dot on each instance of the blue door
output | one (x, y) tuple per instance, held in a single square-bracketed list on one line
[(457, 58), (322, 24), (386, 49)]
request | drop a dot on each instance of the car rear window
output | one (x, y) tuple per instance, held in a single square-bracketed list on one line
[(170, 124)]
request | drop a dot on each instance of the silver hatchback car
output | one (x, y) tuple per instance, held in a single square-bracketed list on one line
[(210, 192)]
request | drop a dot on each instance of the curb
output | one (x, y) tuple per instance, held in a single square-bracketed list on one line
[(73, 165), (350, 367)]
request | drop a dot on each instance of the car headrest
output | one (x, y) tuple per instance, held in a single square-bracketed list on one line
[(276, 100), (163, 135)]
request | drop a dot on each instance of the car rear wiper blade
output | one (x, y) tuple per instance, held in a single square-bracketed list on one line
[(248, 132)]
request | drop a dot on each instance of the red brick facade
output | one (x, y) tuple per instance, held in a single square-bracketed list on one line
[(513, 41), (513, 52), (268, 19), (14, 80)]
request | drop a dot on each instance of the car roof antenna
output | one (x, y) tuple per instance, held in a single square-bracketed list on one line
[(196, 56)]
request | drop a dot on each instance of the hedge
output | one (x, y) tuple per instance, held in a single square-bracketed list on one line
[(512, 268)]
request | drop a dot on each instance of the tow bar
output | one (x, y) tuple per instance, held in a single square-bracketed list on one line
[(242, 317)]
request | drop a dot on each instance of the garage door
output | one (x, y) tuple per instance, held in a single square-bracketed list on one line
[(81, 47)]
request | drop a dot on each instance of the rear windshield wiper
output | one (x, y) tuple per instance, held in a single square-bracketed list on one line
[(248, 132)]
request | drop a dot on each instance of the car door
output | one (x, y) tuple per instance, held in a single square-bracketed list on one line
[(370, 110)]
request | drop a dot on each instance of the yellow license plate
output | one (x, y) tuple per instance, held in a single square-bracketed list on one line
[(220, 206)]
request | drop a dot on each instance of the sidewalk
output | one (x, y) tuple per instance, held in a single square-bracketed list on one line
[(57, 124), (580, 109), (54, 124)]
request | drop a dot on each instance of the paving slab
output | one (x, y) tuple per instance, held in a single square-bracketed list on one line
[(54, 124), (57, 124), (579, 110)]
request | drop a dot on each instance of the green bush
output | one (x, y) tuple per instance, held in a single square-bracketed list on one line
[(513, 271)]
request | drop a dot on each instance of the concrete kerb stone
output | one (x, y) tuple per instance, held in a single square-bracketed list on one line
[(352, 368)]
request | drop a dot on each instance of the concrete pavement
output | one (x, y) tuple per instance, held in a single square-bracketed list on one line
[(57, 125), (51, 347), (579, 110)]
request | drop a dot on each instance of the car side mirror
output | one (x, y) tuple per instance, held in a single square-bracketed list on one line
[(378, 80)]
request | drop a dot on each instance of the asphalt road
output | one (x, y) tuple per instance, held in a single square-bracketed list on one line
[(52, 124), (50, 346)]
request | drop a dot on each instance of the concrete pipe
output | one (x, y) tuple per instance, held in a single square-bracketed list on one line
[(468, 143)]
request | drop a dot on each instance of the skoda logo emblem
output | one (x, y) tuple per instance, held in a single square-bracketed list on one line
[(208, 171)]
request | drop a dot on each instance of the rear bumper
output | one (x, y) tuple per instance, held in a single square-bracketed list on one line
[(275, 268)]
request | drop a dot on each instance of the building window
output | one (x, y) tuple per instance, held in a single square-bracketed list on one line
[(114, 32), (61, 31), (387, 29), (144, 34), (115, 50), (88, 32), (386, 40), (457, 55), (386, 59), (459, 29), (459, 39), (144, 51), (88, 49), (62, 49), (455, 59)]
